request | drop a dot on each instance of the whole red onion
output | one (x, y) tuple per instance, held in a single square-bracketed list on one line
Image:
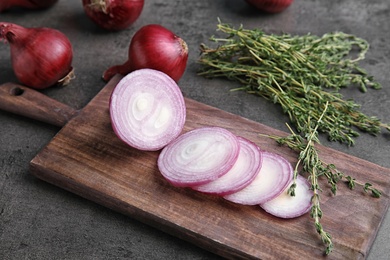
[(154, 47), (113, 14), (41, 57), (29, 4), (270, 6)]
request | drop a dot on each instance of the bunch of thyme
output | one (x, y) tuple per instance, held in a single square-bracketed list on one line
[(303, 74), (300, 73)]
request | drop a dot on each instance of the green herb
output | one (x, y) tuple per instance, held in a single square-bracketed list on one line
[(300, 73), (303, 74), (310, 162)]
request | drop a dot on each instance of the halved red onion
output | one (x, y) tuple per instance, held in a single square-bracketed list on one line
[(242, 173), (199, 156), (147, 109), (274, 176), (287, 206)]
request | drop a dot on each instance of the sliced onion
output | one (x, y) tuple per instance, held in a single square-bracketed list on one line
[(242, 173), (199, 156), (147, 109), (287, 206), (274, 176)]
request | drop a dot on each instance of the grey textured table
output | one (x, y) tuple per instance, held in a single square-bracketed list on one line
[(40, 221)]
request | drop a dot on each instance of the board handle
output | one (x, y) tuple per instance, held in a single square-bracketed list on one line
[(33, 104)]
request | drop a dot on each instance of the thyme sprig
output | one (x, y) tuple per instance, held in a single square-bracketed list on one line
[(310, 162), (300, 73), (297, 143)]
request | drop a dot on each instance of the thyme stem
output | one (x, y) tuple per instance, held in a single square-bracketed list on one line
[(312, 165)]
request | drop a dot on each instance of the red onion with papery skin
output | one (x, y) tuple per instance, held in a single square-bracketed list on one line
[(41, 57), (275, 174), (147, 110), (242, 173), (28, 4), (287, 206), (113, 14), (270, 6), (198, 156), (154, 47)]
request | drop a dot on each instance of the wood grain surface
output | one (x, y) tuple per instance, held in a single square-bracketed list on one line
[(86, 158), (33, 104)]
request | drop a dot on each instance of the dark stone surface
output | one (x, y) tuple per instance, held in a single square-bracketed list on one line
[(40, 221)]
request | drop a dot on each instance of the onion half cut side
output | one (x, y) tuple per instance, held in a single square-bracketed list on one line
[(287, 206), (274, 176), (199, 156), (242, 173), (147, 109)]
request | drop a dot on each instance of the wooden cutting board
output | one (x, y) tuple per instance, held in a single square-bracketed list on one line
[(86, 158)]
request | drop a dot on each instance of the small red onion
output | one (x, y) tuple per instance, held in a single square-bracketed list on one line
[(270, 6), (113, 14), (199, 156), (29, 4), (41, 57), (155, 47), (287, 206), (275, 174), (147, 110), (242, 173)]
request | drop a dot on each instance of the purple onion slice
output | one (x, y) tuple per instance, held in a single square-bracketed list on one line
[(242, 173), (147, 110), (199, 156), (275, 174)]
